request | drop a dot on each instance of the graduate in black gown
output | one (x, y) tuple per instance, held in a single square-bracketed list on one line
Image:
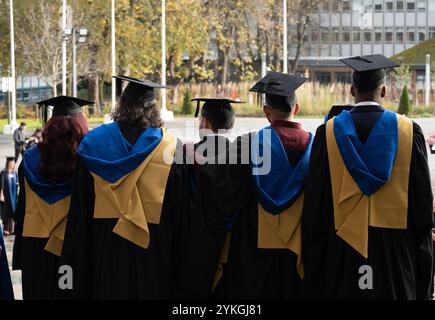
[(367, 217), (8, 195), (263, 258), (129, 196), (6, 289), (45, 178), (201, 268)]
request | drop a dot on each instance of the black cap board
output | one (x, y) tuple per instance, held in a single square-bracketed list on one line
[(214, 103), (279, 89), (63, 105), (143, 89), (369, 71), (280, 84)]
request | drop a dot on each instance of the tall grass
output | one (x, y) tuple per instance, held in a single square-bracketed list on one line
[(314, 99)]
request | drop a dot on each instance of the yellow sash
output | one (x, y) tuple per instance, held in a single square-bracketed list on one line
[(43, 220), (386, 208), (222, 259), (282, 231), (137, 198)]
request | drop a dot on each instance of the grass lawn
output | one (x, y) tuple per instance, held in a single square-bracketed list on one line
[(33, 123)]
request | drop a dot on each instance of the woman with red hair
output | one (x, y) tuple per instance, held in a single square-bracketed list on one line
[(44, 199)]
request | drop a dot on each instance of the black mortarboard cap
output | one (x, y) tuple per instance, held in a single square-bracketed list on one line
[(63, 106), (369, 71), (214, 103), (279, 84), (279, 88), (143, 89)]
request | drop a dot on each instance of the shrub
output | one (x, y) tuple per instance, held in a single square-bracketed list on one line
[(187, 107), (405, 104)]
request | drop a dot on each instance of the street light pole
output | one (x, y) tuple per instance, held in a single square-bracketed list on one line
[(284, 43), (427, 82), (113, 57), (13, 89), (74, 43), (165, 114), (164, 53), (63, 48)]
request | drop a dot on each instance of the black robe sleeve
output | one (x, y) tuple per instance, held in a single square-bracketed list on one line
[(420, 214), (19, 219), (316, 222), (77, 248)]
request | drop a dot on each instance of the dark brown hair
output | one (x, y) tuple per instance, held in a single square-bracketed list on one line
[(132, 111)]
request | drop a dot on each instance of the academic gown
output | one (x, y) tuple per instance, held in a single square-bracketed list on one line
[(6, 289), (250, 272), (206, 229), (108, 266), (39, 267), (10, 188), (401, 260)]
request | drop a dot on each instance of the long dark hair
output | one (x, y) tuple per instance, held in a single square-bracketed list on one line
[(60, 140), (133, 111)]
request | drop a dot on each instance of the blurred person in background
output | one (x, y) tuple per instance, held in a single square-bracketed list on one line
[(8, 195)]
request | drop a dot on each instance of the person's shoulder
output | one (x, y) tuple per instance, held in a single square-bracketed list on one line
[(320, 131), (98, 132)]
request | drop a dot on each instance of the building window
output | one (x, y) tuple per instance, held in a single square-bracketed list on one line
[(346, 35), (399, 5), (26, 95), (378, 36), (421, 34), (345, 5), (326, 36), (432, 6), (356, 35), (335, 6), (388, 35), (399, 35), (431, 32), (368, 5), (336, 35), (389, 5), (342, 77), (315, 36), (378, 5), (422, 5), (410, 6), (367, 36), (323, 77), (325, 6), (411, 35)]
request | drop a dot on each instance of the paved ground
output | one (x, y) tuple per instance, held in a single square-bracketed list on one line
[(185, 129)]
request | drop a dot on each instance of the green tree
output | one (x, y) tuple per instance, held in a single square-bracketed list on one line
[(187, 107), (405, 104)]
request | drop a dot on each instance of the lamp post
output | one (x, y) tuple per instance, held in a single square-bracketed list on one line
[(165, 114), (284, 42), (427, 82), (64, 48), (9, 128), (113, 55), (83, 33)]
